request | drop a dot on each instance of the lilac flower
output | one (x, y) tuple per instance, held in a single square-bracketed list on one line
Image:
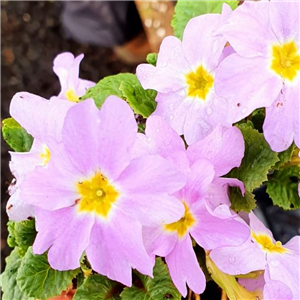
[(94, 198), (184, 78), (211, 225), (264, 71), (43, 119), (262, 252), (66, 67)]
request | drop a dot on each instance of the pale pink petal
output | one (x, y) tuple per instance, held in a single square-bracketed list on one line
[(212, 232), (184, 267), (168, 75), (246, 84), (17, 209), (248, 30), (241, 259), (201, 43), (153, 209), (116, 247), (111, 134), (151, 174), (82, 86), (277, 290), (159, 242), (253, 284), (284, 19), (66, 233), (258, 227), (224, 148), (281, 125), (228, 50), (40, 117)]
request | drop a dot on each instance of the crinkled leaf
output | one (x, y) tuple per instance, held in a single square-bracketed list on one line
[(258, 117), (186, 10), (152, 58), (37, 279), (126, 86), (25, 233), (258, 160), (285, 156), (15, 136), (160, 287), (282, 187), (11, 240), (97, 287), (9, 285)]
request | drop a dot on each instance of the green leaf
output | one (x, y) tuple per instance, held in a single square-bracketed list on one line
[(186, 10), (15, 136), (24, 235), (9, 285), (282, 187), (152, 58), (38, 280), (285, 157), (160, 287), (11, 241), (97, 287), (258, 160), (126, 86)]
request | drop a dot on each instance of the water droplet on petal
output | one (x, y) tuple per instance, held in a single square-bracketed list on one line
[(244, 110), (182, 92), (209, 111), (232, 259), (171, 117), (164, 64)]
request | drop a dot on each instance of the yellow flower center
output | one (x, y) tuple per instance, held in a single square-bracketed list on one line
[(182, 226), (71, 96), (267, 244), (286, 60), (45, 155), (97, 195), (199, 83)]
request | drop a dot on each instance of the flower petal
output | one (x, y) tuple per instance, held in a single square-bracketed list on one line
[(277, 290)]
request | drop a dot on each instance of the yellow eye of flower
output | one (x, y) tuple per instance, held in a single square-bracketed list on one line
[(266, 243), (199, 83), (182, 226), (286, 60), (45, 156), (71, 96), (97, 195)]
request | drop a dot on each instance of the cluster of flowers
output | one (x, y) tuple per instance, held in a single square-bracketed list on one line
[(96, 186)]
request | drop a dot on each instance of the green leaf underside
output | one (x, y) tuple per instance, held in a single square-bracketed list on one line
[(258, 160), (160, 287), (152, 58), (97, 287), (285, 156), (11, 240), (186, 10), (9, 285), (37, 279), (282, 187), (125, 86), (15, 136)]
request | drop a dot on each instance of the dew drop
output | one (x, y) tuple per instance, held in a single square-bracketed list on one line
[(164, 64), (171, 117), (182, 92), (244, 110), (209, 111), (232, 259)]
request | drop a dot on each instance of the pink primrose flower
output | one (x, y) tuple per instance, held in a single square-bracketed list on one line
[(66, 67), (262, 252), (184, 78), (94, 198), (43, 119), (264, 71), (210, 225)]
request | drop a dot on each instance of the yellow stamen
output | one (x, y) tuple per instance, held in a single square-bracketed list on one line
[(199, 83), (71, 95), (97, 195), (45, 156), (182, 226), (286, 60), (266, 243)]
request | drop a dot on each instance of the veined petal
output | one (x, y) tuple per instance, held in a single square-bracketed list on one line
[(281, 125), (184, 267), (277, 290), (116, 247), (258, 227), (246, 84), (66, 233), (224, 148)]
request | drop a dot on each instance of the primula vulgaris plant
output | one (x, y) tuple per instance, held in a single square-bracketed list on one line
[(120, 209)]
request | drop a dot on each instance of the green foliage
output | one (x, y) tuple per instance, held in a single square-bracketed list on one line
[(37, 279), (15, 136), (253, 171), (159, 288), (126, 86), (282, 187), (258, 117), (97, 287), (285, 157), (9, 285), (11, 241), (152, 58), (186, 10)]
